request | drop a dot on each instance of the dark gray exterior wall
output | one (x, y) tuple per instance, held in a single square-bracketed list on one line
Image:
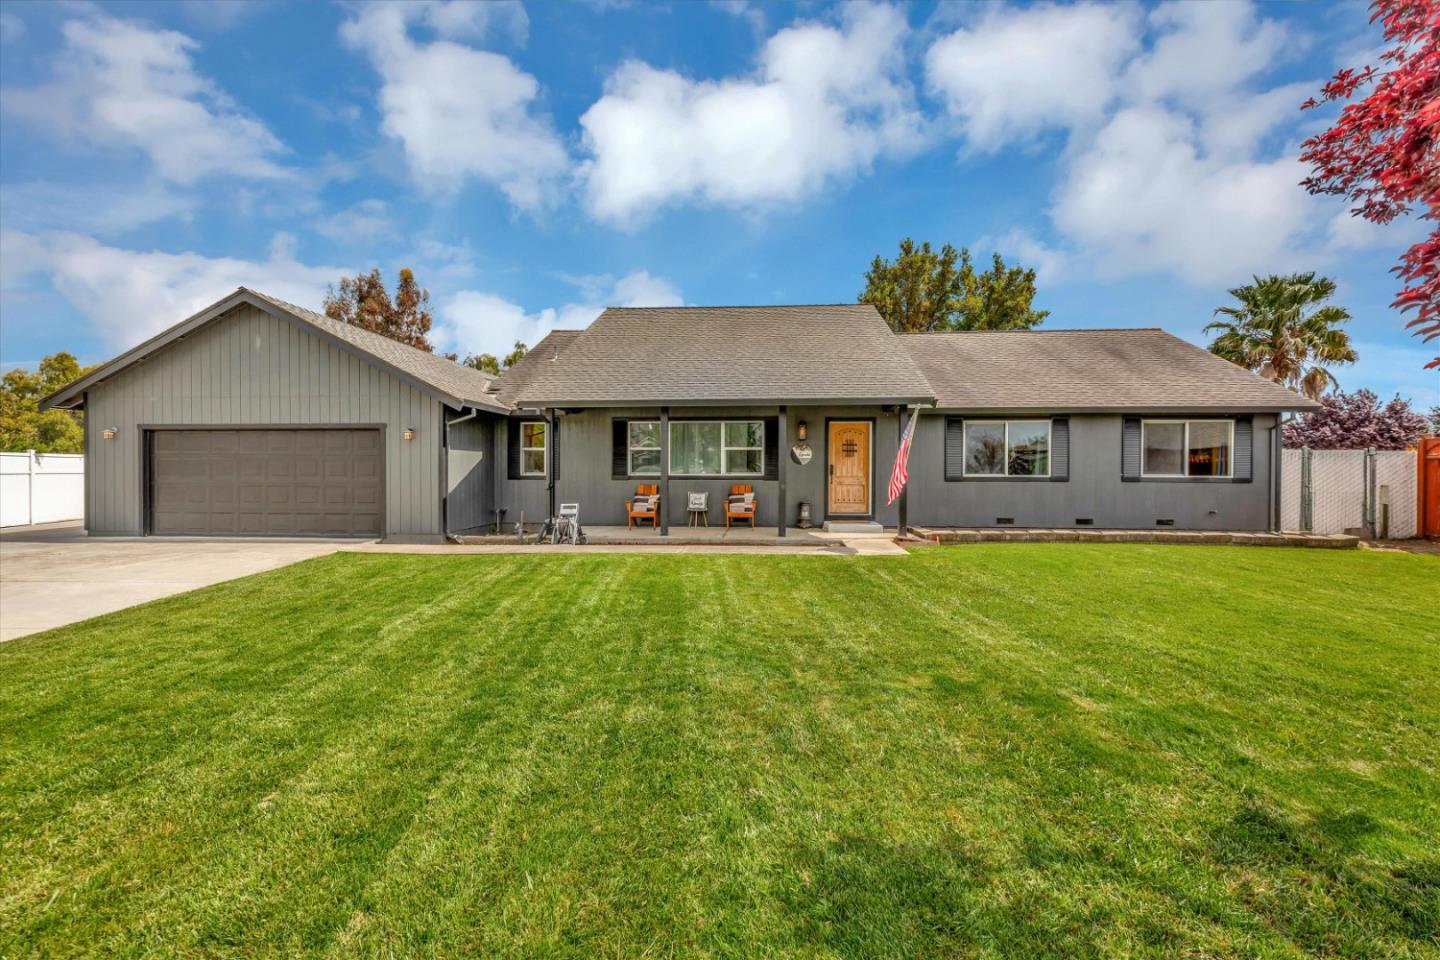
[(250, 368), (585, 471), (1095, 488), (470, 494)]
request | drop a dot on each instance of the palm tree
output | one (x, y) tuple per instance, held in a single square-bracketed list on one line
[(1284, 331)]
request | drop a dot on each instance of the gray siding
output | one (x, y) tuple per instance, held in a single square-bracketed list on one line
[(1094, 489), (585, 468), (250, 368), (471, 496)]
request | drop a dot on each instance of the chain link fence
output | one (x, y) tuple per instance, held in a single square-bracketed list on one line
[(1367, 492)]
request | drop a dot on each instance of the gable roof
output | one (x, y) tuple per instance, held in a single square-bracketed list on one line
[(841, 353), (517, 377), (1081, 370), (445, 380)]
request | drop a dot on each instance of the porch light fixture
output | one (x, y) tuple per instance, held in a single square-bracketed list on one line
[(108, 433), (802, 430), (408, 433)]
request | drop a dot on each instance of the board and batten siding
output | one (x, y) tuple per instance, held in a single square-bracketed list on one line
[(249, 368)]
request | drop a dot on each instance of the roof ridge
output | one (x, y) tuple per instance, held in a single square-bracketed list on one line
[(744, 306), (944, 333)]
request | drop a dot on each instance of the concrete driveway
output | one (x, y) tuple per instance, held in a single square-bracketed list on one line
[(53, 574)]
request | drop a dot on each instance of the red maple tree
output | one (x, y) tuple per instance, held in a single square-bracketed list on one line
[(1382, 150)]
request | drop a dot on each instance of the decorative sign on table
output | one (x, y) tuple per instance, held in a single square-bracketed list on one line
[(801, 453)]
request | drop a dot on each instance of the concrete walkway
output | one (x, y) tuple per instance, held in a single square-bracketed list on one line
[(53, 574)]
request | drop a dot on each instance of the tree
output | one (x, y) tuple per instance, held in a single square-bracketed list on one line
[(921, 290), (1354, 421), (1284, 331), (23, 426), (1381, 152), (516, 355), (362, 300), (1434, 417), (485, 363)]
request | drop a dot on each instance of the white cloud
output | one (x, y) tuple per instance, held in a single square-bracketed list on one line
[(1144, 196), (12, 28), (1178, 158), (364, 221), (129, 295), (119, 83), (472, 321), (1018, 72), (459, 112), (92, 207), (824, 103)]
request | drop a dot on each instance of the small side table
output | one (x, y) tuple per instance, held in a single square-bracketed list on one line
[(698, 505)]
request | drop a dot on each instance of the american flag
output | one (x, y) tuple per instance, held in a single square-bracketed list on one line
[(900, 476)]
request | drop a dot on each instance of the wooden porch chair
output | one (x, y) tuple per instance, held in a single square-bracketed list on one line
[(736, 510), (637, 509)]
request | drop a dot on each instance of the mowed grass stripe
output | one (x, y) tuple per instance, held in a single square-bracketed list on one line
[(1014, 750)]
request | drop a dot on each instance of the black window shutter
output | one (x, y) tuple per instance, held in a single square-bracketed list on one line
[(619, 449), (772, 448), (1244, 452), (1130, 449), (1060, 449), (954, 448), (512, 428)]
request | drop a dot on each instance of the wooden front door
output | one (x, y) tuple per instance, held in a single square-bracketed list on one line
[(849, 447)]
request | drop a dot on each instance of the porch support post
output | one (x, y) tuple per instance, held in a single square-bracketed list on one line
[(902, 505), (780, 474), (664, 471), (552, 455)]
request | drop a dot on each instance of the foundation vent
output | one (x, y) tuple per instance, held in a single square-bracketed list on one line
[(1169, 522), (1084, 521), (1005, 521)]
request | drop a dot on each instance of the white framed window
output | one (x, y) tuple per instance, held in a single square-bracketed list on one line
[(532, 448), (1187, 448), (644, 448), (1007, 448), (701, 448)]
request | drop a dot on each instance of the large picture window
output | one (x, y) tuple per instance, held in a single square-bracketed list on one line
[(1007, 448), (699, 448), (532, 448), (1187, 448)]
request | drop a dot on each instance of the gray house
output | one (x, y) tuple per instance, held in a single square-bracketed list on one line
[(256, 417)]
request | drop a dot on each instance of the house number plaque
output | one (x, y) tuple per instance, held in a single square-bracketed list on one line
[(801, 453)]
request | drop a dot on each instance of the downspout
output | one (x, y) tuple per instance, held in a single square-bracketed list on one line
[(445, 470), (1276, 455)]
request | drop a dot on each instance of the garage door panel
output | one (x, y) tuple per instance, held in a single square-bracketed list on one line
[(282, 482)]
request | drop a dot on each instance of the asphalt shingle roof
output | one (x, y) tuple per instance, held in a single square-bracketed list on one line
[(446, 376), (513, 380), (650, 355), (1129, 369)]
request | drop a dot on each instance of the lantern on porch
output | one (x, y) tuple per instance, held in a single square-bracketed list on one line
[(803, 522)]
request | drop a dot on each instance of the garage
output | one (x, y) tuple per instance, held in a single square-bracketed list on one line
[(266, 482)]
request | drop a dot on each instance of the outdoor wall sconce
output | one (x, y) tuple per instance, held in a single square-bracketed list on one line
[(802, 431), (408, 433), (108, 433)]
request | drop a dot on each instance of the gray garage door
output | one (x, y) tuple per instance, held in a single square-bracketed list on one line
[(282, 483)]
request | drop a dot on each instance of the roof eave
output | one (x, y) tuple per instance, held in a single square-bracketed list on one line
[(540, 403)]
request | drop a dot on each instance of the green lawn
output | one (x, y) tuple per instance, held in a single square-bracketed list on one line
[(1001, 750)]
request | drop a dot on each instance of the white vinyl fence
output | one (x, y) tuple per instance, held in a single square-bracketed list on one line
[(1331, 491), (41, 487)]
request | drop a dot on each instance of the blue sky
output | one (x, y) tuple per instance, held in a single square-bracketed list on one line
[(536, 163)]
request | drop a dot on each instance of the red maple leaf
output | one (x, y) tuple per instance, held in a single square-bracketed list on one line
[(1383, 151)]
